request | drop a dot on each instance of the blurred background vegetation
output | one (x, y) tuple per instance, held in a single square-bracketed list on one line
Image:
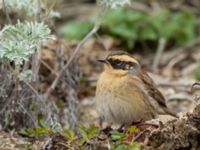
[(131, 26), (38, 38), (138, 27)]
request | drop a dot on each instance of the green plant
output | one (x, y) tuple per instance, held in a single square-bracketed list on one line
[(134, 146), (76, 30), (132, 26), (121, 141), (88, 133), (20, 62), (42, 129), (18, 47), (39, 131), (118, 136)]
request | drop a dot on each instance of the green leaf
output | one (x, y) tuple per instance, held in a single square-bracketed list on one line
[(84, 134), (93, 131), (132, 129), (117, 135), (134, 146), (76, 30), (41, 122), (69, 134), (88, 133), (35, 132), (148, 33), (121, 147)]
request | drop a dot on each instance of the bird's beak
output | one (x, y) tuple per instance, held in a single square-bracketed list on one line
[(102, 60)]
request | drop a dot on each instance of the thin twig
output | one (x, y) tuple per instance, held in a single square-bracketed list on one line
[(37, 94), (91, 33), (161, 47), (34, 90), (48, 67), (101, 41), (26, 111)]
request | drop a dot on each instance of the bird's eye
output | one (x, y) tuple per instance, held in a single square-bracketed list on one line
[(118, 63)]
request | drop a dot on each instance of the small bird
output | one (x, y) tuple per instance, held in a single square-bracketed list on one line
[(125, 93)]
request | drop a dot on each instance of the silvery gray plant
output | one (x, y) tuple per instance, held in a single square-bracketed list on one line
[(20, 101), (19, 42), (30, 7), (113, 3)]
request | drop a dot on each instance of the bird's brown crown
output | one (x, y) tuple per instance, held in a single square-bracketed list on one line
[(121, 60)]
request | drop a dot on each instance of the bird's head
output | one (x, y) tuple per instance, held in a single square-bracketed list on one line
[(120, 63)]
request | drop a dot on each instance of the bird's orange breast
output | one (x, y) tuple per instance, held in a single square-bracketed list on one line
[(121, 100)]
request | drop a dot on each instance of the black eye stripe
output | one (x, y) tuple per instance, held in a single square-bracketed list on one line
[(124, 65), (116, 64)]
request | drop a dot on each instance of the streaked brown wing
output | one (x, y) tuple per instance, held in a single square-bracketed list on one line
[(152, 88)]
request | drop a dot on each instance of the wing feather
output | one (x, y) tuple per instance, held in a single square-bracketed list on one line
[(152, 89), (153, 92)]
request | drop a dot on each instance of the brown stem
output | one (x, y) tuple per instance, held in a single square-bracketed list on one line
[(91, 33)]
